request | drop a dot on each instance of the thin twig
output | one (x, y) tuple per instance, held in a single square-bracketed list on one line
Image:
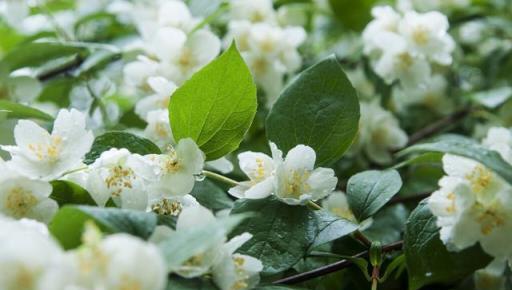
[(411, 198), (220, 178), (337, 266), (438, 126), (362, 238)]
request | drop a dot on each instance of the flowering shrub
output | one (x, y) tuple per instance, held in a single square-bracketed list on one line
[(255, 144)]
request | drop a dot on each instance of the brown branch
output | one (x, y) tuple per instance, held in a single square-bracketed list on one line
[(438, 126), (337, 266), (410, 198)]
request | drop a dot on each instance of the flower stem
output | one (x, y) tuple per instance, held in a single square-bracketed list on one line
[(220, 178), (314, 205)]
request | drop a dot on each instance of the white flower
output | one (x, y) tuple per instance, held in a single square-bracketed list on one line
[(117, 262), (176, 169), (432, 94), (39, 154), (158, 129), (21, 197), (223, 165), (492, 277), (30, 259), (337, 204), (500, 139), (398, 62), (473, 205), (296, 179), (195, 217), (379, 133), (182, 55), (259, 168), (386, 20), (137, 73), (427, 34), (253, 11), (160, 100), (132, 264), (236, 271), (122, 176), (14, 12)]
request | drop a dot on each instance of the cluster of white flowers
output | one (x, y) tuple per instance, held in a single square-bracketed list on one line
[(230, 270), (474, 204), (133, 181), (379, 133), (293, 179), (269, 49), (173, 49), (31, 259), (404, 46)]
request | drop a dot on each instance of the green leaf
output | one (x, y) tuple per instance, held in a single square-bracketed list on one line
[(330, 228), (281, 235), (209, 195), (66, 192), (428, 261), (388, 224), (19, 111), (216, 106), (319, 109), (462, 146), (492, 98), (129, 141), (368, 191), (35, 54), (432, 158), (68, 224), (352, 14)]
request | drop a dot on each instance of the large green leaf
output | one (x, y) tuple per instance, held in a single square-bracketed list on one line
[(283, 234), (67, 192), (319, 109), (129, 141), (388, 224), (19, 111), (280, 232), (466, 147), (216, 106), (368, 191), (68, 224), (428, 261)]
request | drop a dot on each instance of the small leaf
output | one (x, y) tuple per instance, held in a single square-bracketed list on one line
[(67, 192), (388, 224), (68, 224), (129, 141), (216, 106), (462, 146), (19, 111), (368, 191), (319, 109), (330, 227), (429, 158), (352, 14), (209, 195), (492, 98), (428, 261)]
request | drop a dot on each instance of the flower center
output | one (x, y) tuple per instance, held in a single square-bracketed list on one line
[(420, 35), (24, 279), (20, 201), (296, 184), (480, 178), (241, 274), (49, 152), (405, 60), (167, 207), (120, 178)]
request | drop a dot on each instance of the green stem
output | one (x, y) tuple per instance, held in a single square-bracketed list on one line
[(314, 205), (362, 238), (220, 178)]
